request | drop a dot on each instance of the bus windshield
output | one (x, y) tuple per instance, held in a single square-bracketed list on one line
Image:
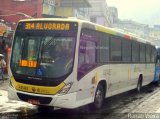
[(43, 54)]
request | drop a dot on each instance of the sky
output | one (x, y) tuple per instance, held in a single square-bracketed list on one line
[(143, 11)]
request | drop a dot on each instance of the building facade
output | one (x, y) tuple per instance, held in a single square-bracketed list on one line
[(113, 15), (154, 34), (73, 8), (11, 11), (99, 12), (129, 26)]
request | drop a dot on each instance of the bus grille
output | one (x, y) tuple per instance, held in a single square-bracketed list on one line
[(42, 100)]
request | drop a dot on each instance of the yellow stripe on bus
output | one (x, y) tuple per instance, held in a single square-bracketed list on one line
[(102, 29), (36, 89), (96, 78)]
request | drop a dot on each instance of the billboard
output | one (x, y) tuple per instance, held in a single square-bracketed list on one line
[(49, 7)]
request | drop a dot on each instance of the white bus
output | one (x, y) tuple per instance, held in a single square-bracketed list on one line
[(68, 63)]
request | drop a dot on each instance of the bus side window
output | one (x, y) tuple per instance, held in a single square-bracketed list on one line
[(87, 53), (87, 57)]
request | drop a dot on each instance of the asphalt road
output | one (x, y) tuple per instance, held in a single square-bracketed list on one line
[(116, 107)]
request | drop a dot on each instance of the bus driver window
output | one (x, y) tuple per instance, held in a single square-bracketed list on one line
[(87, 57)]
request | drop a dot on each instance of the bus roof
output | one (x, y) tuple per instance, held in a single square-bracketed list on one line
[(98, 27)]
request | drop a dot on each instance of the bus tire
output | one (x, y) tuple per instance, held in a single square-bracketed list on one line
[(99, 98), (45, 109), (139, 85)]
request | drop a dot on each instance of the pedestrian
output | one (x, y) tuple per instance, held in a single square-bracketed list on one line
[(2, 66)]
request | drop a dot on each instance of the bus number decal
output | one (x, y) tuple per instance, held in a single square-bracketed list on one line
[(29, 26), (28, 63)]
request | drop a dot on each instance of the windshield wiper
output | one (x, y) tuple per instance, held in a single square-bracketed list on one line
[(41, 49), (39, 57), (22, 47), (48, 43)]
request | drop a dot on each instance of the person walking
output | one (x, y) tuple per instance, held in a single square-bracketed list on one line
[(2, 66)]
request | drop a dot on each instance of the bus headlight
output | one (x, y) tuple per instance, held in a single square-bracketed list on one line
[(66, 88)]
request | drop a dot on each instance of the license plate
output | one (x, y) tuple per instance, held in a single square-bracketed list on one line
[(34, 102)]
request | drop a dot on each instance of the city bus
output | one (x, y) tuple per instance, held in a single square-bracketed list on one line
[(69, 63)]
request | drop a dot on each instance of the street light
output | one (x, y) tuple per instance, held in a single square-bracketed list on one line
[(23, 14), (17, 13)]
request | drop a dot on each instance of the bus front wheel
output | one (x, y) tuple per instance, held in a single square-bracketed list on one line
[(99, 98)]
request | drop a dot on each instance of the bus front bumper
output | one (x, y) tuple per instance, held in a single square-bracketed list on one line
[(67, 101)]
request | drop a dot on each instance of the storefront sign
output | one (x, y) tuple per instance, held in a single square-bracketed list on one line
[(49, 7)]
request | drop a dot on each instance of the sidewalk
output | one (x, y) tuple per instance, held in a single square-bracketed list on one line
[(3, 87), (150, 104), (3, 84), (10, 106)]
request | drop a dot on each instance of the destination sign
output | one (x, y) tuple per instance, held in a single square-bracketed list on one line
[(46, 26), (28, 63)]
